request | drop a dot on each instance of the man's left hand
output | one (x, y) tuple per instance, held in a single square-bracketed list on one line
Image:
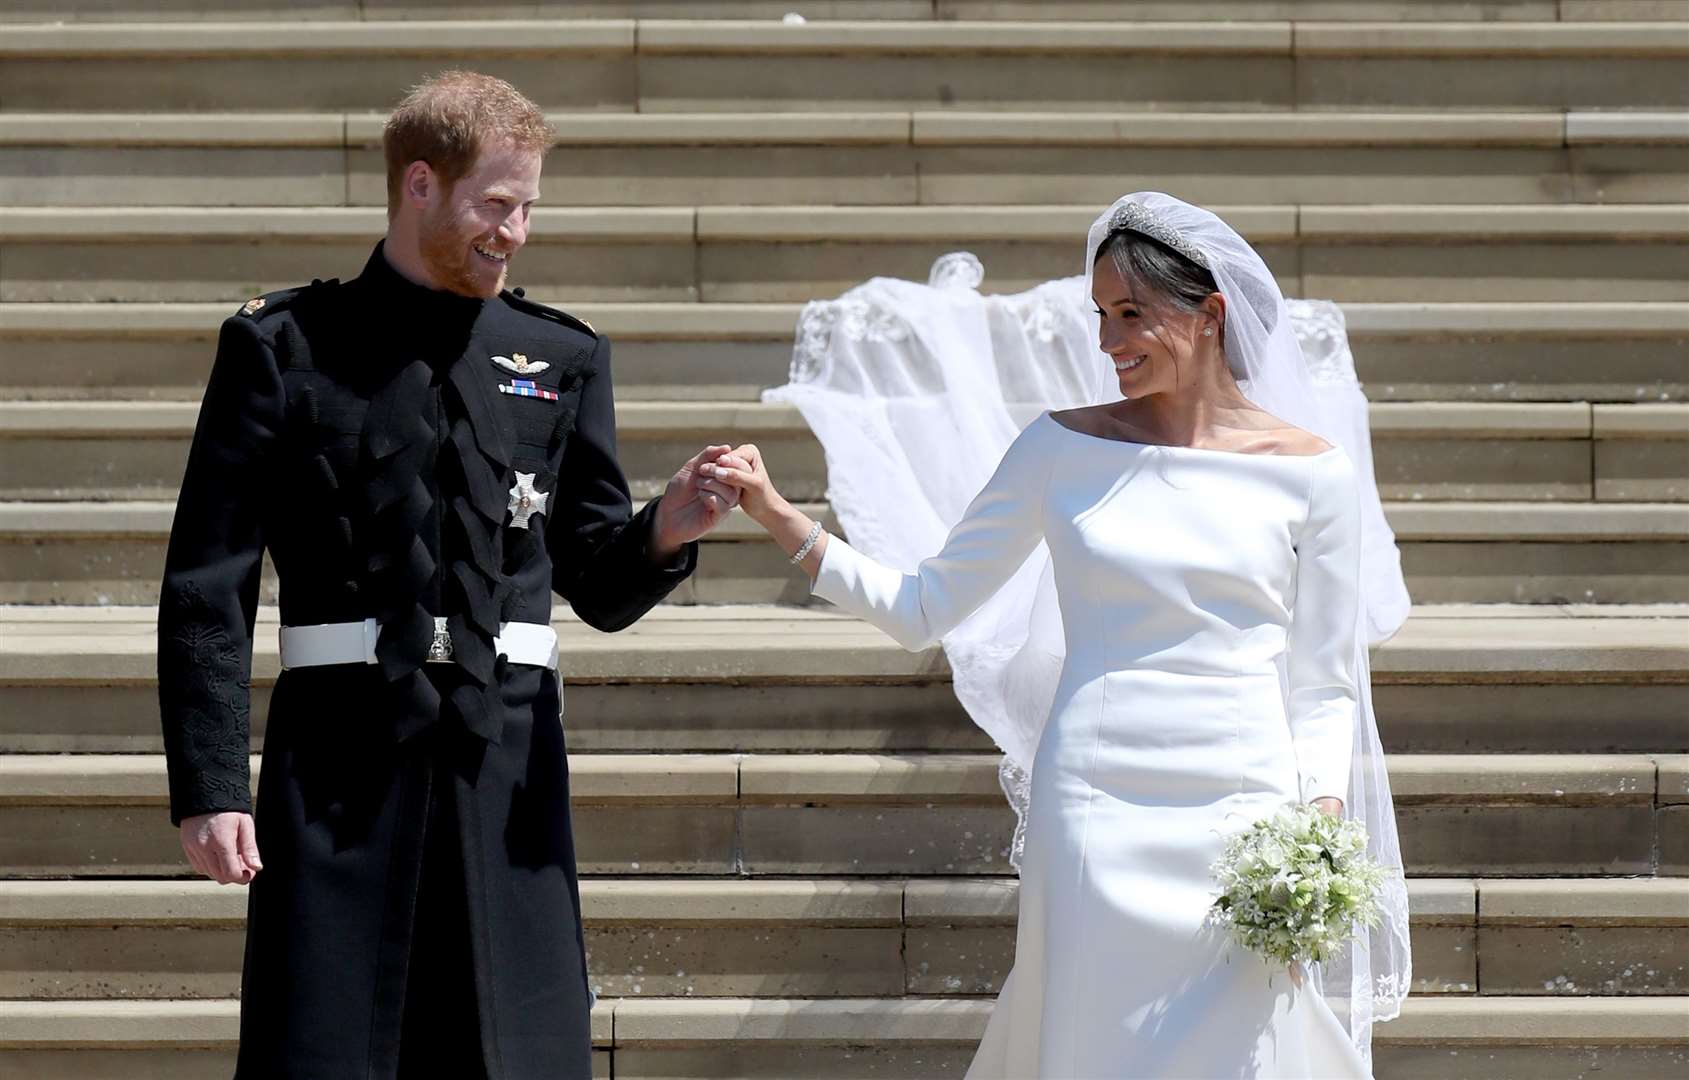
[(691, 506)]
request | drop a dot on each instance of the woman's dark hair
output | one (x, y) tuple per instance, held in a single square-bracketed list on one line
[(1147, 263)]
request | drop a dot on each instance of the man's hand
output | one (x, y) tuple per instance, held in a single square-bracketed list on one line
[(691, 506), (222, 846)]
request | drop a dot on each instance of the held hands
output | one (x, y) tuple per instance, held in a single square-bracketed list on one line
[(743, 469), (223, 846), (693, 504)]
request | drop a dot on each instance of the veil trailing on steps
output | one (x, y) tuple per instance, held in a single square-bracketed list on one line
[(916, 390)]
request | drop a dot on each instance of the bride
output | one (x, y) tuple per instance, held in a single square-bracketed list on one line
[(1207, 561)]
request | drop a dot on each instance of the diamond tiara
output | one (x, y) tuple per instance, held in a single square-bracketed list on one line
[(1140, 219)]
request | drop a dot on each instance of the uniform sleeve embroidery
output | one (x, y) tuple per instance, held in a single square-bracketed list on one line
[(209, 698)]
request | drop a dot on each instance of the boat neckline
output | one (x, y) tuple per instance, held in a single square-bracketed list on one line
[(1197, 449)]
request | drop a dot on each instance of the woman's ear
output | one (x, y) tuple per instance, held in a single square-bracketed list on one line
[(1213, 311)]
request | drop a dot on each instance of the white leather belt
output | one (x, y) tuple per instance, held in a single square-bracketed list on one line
[(354, 643)]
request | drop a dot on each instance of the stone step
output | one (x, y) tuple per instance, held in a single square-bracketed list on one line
[(1508, 351), (1110, 10), (891, 158), (758, 815), (1435, 1038), (1420, 253), (719, 65), (1456, 552), (1456, 679), (1565, 937), (1552, 452)]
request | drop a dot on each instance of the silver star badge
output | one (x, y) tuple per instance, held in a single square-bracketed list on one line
[(520, 364), (525, 502)]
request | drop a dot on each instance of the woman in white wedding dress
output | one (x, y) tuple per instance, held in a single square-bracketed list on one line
[(1203, 550)]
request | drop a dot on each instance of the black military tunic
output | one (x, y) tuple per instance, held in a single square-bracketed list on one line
[(358, 432)]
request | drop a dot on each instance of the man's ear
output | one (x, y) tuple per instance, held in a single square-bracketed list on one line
[(420, 184)]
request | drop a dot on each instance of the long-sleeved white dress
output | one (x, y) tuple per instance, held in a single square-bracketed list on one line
[(1184, 575)]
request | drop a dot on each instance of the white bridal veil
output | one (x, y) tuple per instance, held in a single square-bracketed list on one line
[(916, 390)]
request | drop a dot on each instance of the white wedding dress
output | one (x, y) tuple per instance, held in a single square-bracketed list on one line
[(1200, 592)]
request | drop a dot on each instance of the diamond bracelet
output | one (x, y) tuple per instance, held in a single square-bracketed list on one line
[(809, 542)]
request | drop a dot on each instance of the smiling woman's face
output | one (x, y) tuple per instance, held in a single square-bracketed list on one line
[(1150, 343)]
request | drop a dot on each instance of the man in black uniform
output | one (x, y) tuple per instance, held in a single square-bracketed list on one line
[(426, 457)]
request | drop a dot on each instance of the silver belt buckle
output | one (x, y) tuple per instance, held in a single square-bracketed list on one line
[(440, 649)]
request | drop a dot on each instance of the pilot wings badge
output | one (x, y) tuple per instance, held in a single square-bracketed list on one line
[(520, 364)]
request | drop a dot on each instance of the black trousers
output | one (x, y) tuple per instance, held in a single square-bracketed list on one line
[(440, 1037)]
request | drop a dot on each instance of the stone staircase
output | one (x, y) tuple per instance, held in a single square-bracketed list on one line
[(792, 836)]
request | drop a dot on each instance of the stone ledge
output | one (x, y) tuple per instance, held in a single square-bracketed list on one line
[(691, 37), (58, 224), (121, 903), (1649, 128), (886, 128), (1563, 224), (1416, 321), (1647, 421), (879, 1021), (173, 129), (1563, 779), (1336, 129), (861, 224), (698, 129), (604, 902), (690, 321), (1480, 419), (95, 419), (858, 224), (41, 1025), (1540, 1021), (680, 321), (151, 520), (1494, 522), (1674, 779), (530, 37), (1456, 644), (1529, 522), (661, 1023), (734, 903), (1584, 902), (349, 39), (912, 902), (1466, 40), (877, 779), (660, 778)]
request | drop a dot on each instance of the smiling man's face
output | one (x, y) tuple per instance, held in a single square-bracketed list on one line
[(469, 232)]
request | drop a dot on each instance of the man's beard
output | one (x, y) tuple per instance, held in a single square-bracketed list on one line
[(453, 263)]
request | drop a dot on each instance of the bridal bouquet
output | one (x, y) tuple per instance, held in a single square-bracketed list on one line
[(1294, 886)]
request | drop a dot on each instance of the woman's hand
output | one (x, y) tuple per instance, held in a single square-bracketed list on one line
[(1330, 806), (743, 469)]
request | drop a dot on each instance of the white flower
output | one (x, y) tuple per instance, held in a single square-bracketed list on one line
[(1297, 885)]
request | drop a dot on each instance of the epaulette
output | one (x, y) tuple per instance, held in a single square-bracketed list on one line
[(270, 303), (516, 299)]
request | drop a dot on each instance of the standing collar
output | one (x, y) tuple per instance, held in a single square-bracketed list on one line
[(416, 304)]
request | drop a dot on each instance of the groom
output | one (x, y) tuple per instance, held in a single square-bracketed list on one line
[(426, 457)]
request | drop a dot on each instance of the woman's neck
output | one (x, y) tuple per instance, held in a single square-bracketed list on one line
[(1193, 415)]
